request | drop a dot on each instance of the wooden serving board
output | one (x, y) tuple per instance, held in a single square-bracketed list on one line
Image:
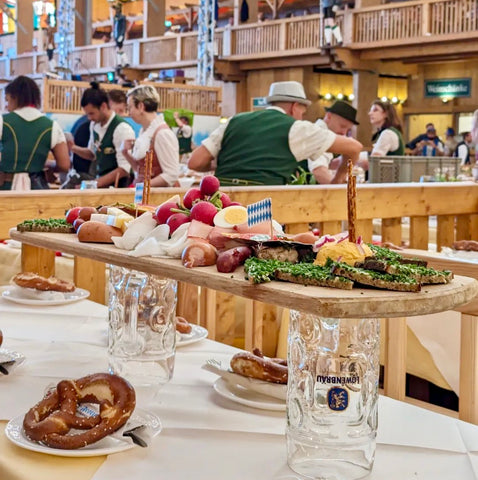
[(329, 302)]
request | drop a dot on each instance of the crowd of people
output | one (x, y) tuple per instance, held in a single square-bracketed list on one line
[(264, 147)]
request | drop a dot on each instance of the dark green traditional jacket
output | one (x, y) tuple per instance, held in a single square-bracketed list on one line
[(105, 149), (255, 148), (401, 146), (26, 144), (184, 143)]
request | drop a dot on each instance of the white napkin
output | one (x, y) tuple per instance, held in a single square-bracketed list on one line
[(157, 244), (137, 230)]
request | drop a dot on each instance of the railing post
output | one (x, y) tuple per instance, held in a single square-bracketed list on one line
[(426, 18), (283, 36), (178, 48), (348, 30), (136, 54), (227, 42), (98, 57)]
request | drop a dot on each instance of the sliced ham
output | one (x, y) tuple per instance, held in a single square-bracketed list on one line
[(199, 230)]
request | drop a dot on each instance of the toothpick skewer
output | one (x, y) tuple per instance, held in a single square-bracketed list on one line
[(148, 166), (351, 201)]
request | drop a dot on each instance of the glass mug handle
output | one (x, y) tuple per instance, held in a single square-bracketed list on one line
[(133, 343)]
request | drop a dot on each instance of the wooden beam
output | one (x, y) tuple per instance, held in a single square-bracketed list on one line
[(419, 47)]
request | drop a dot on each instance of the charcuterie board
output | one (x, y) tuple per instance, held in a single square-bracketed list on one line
[(361, 303)]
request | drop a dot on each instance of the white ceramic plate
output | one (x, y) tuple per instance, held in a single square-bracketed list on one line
[(197, 333), (106, 446), (13, 294), (243, 396)]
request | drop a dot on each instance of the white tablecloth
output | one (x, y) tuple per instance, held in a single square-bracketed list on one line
[(204, 435)]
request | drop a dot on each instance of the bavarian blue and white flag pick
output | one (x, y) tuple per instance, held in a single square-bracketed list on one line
[(259, 212), (138, 193)]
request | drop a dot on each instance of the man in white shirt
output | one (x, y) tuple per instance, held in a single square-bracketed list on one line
[(107, 133), (264, 147), (340, 118)]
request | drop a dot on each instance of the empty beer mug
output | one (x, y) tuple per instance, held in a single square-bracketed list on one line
[(142, 328)]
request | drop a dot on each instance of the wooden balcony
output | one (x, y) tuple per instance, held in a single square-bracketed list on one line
[(408, 31), (60, 96)]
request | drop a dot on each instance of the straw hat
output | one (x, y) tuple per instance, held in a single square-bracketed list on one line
[(287, 92)]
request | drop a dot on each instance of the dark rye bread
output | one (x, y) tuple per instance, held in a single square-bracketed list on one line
[(376, 279), (422, 274), (334, 282), (382, 254), (51, 225)]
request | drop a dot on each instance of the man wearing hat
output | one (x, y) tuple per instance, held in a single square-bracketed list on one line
[(339, 118), (263, 147)]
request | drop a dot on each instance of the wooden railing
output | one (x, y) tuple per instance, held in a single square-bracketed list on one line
[(414, 22), (61, 96), (456, 219), (404, 23)]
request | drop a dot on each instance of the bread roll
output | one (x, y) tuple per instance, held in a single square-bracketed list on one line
[(97, 232)]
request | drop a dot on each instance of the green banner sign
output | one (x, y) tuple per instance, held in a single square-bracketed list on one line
[(456, 87), (259, 102)]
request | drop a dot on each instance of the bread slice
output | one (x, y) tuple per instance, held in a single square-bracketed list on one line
[(309, 274), (376, 279), (387, 255), (420, 273), (51, 225)]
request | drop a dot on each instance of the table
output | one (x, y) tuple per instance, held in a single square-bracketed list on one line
[(328, 302), (468, 348), (204, 436)]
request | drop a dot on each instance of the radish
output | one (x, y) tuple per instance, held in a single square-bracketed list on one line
[(191, 196), (176, 220), (204, 212), (163, 212), (209, 185), (225, 200)]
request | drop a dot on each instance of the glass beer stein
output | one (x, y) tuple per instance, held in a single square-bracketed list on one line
[(142, 328), (332, 396)]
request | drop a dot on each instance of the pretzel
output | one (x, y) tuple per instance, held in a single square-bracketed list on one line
[(51, 419), (33, 280), (182, 325), (256, 366), (467, 245)]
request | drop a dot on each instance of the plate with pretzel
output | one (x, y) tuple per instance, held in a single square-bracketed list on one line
[(188, 333), (86, 417), (29, 288)]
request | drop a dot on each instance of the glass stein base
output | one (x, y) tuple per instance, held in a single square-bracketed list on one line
[(330, 462)]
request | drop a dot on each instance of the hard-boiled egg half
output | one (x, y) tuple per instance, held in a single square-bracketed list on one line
[(231, 216)]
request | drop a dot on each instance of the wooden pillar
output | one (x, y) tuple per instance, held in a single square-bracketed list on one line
[(24, 27), (253, 11), (83, 21), (154, 16), (311, 86), (365, 91)]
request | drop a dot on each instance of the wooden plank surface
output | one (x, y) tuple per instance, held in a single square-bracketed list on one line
[(366, 303)]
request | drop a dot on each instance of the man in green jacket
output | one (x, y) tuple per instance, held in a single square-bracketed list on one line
[(264, 147), (107, 132)]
